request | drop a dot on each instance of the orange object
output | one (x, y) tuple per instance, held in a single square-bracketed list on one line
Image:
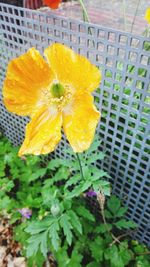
[(52, 3)]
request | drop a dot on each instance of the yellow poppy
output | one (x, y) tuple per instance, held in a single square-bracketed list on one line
[(55, 94), (147, 15)]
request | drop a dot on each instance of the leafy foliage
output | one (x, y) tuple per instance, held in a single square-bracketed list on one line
[(62, 224), (115, 212)]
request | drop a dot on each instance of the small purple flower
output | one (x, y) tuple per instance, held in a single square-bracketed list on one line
[(91, 194), (25, 212)]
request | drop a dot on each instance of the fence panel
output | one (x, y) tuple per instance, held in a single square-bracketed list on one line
[(123, 97)]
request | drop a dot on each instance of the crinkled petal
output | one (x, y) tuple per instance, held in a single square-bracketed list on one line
[(79, 122), (43, 132), (27, 76), (72, 69)]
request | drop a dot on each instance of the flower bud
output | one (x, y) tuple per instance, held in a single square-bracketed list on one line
[(55, 209)]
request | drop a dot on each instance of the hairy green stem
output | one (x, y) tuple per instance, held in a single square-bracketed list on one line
[(112, 235), (80, 165)]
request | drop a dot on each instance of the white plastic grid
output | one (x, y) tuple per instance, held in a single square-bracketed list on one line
[(123, 96)]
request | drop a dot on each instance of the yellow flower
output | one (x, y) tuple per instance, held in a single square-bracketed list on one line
[(147, 15), (55, 93)]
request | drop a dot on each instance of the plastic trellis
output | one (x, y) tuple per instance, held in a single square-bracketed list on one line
[(123, 97)]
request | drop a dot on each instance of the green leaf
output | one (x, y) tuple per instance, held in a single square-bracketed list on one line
[(108, 214), (97, 248), (66, 225), (58, 162), (79, 189), (69, 151), (124, 224), (76, 259), (39, 173), (125, 254), (61, 174), (121, 212), (14, 217), (94, 264), (62, 256), (37, 261), (86, 185), (53, 234), (112, 254), (85, 213), (73, 180), (103, 228), (94, 158), (32, 248), (67, 204), (5, 202), (75, 221), (94, 146), (36, 227), (118, 256), (86, 171), (113, 204), (75, 192), (103, 186), (48, 194), (99, 174), (43, 245), (35, 242), (53, 164)]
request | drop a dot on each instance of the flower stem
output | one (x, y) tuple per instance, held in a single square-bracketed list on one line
[(80, 165), (85, 14)]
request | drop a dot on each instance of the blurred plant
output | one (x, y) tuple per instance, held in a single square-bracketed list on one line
[(84, 11), (146, 32), (147, 15), (135, 14)]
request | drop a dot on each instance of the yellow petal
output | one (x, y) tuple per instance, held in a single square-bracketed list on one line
[(147, 15), (43, 132), (71, 68), (26, 77), (79, 122)]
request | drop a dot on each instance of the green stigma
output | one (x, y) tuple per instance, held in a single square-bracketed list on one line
[(57, 90)]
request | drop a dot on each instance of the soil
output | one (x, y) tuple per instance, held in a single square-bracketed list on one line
[(10, 250)]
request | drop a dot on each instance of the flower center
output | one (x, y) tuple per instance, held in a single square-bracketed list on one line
[(57, 90)]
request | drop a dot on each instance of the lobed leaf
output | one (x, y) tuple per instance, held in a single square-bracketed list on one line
[(53, 234), (66, 225), (124, 224), (85, 213), (75, 221)]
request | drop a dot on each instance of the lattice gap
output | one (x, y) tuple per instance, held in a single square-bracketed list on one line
[(123, 97)]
